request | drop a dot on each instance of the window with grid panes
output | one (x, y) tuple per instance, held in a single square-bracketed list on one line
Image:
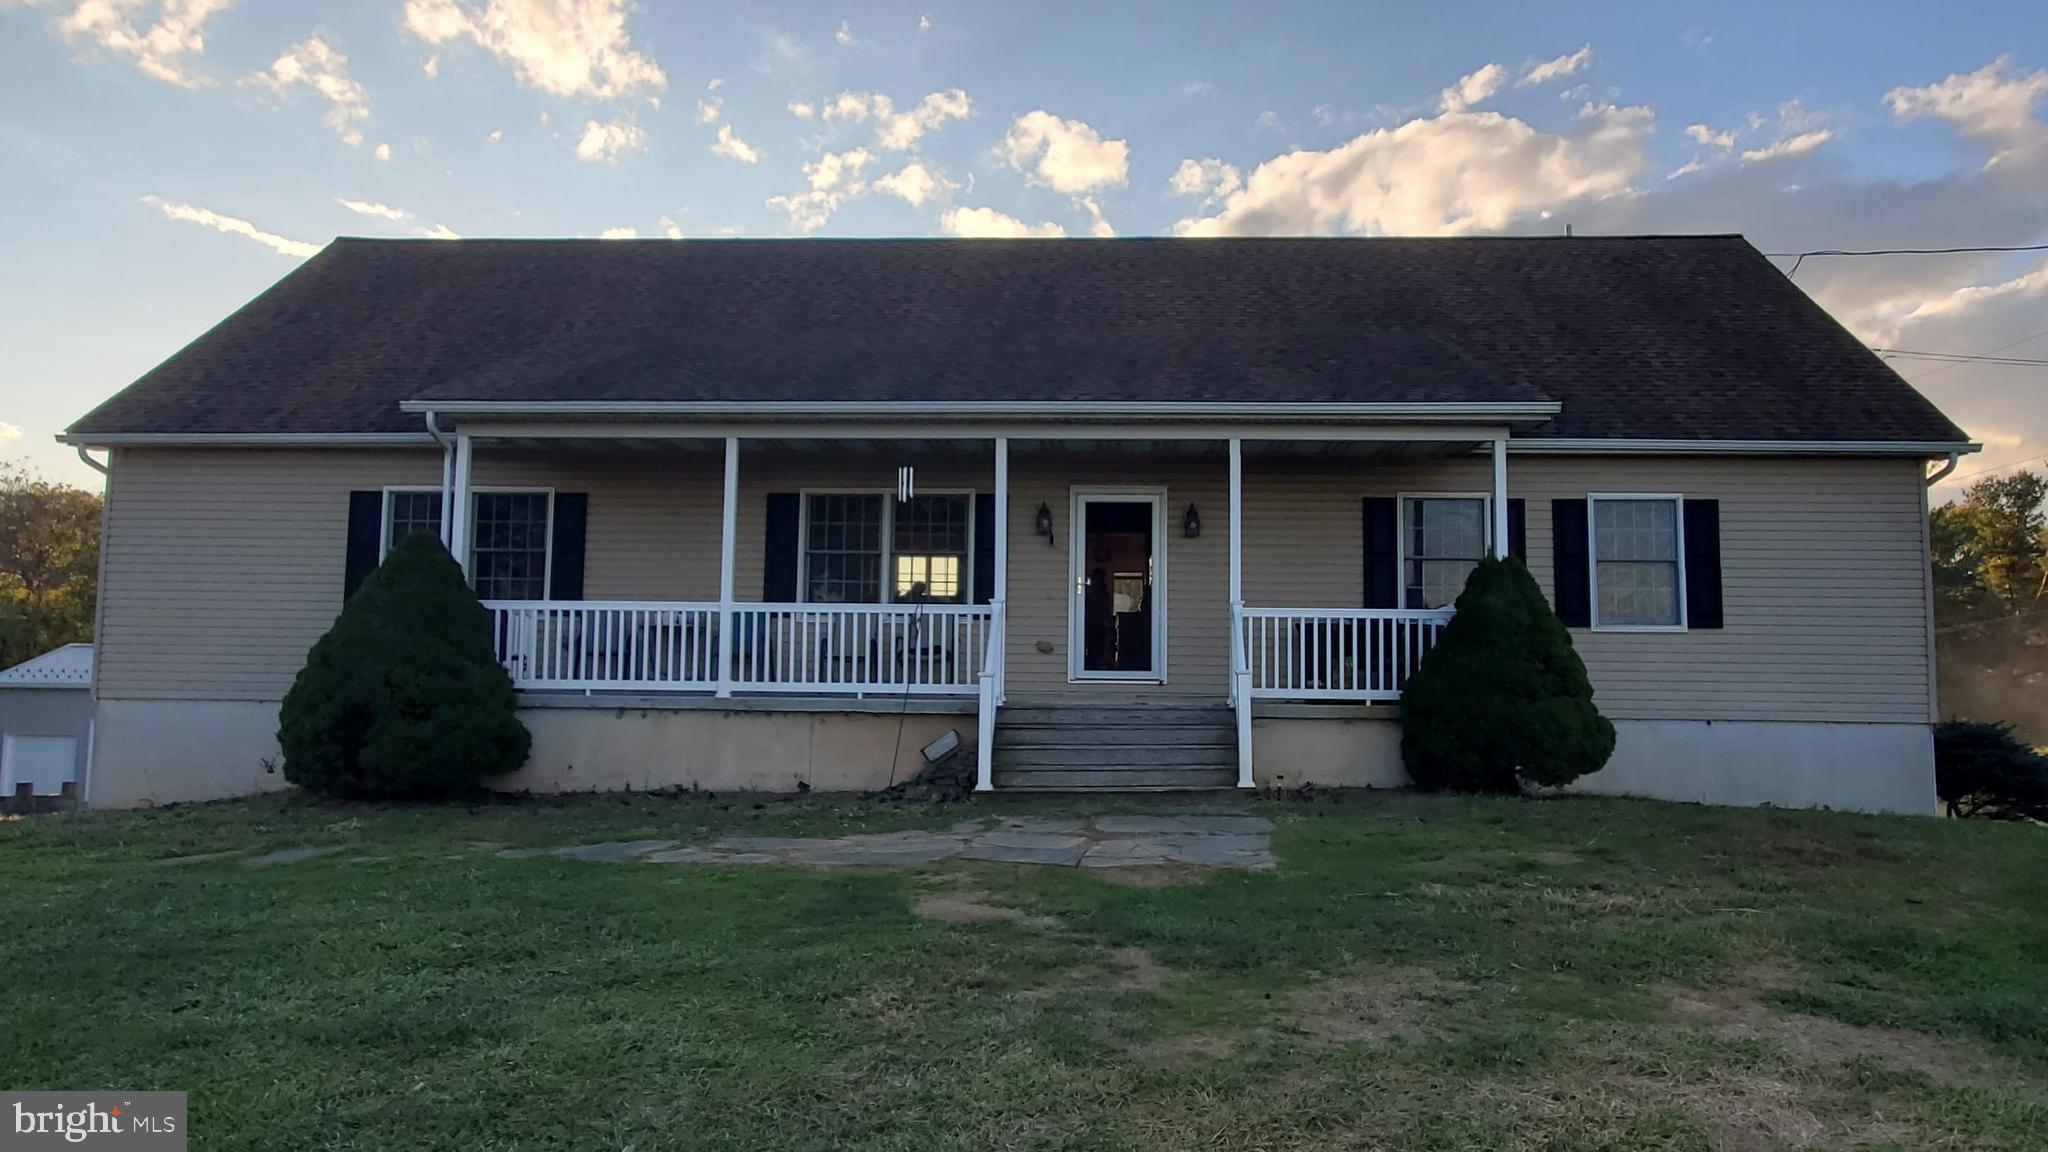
[(509, 545), (1446, 539), (843, 548), (931, 547), (1635, 562)]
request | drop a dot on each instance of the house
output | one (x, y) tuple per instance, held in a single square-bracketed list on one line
[(1137, 513), (45, 728)]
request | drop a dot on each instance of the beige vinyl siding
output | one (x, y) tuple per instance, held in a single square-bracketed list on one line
[(1041, 581), (1824, 577), (223, 566)]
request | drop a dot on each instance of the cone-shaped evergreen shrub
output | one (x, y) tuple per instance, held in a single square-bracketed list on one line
[(403, 696), (1503, 698)]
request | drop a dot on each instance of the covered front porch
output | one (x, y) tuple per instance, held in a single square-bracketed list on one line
[(1076, 565)]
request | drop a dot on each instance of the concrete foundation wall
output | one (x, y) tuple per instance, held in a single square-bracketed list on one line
[(173, 751), (169, 751), (1849, 767), (591, 749)]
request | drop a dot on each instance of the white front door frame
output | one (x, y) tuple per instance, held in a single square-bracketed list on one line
[(1077, 603)]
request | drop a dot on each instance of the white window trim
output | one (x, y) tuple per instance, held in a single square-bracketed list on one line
[(548, 563), (1593, 561), (889, 502), (1401, 533)]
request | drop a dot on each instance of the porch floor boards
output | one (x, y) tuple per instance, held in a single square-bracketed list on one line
[(1110, 745)]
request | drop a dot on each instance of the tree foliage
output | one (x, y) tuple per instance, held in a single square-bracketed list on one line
[(49, 563), (1984, 771), (403, 696), (1503, 699), (1990, 551)]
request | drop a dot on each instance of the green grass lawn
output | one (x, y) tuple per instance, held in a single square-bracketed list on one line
[(1418, 973)]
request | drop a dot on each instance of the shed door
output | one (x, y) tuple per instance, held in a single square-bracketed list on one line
[(44, 763)]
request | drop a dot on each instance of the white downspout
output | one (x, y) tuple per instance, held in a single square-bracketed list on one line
[(447, 476), (102, 468), (1939, 475)]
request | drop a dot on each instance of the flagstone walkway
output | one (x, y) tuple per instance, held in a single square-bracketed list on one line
[(1102, 842)]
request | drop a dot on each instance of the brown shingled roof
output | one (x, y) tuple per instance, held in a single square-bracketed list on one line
[(1665, 337)]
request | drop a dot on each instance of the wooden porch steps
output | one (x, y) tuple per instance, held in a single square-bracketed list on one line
[(1102, 745)]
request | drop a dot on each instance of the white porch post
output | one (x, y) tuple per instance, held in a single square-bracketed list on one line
[(1240, 682), (992, 676), (727, 548), (458, 505), (1500, 498)]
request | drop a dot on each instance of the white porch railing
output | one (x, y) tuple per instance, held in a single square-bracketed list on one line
[(796, 648), (1335, 653), (575, 644)]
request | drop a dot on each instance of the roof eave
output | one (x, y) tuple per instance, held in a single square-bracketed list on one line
[(1167, 412)]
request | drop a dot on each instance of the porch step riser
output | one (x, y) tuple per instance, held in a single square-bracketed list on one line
[(1115, 738), (1037, 717), (1114, 757), (1113, 780)]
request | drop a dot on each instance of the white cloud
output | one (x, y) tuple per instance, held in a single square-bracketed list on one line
[(382, 152), (844, 35), (607, 143), (1197, 88), (671, 229), (1991, 104), (1268, 121), (1472, 88), (577, 48), (621, 233), (316, 64), (233, 226), (1064, 155), (897, 131), (1566, 65), (731, 146), (924, 23), (987, 223), (496, 135), (1707, 137), (1098, 224), (9, 432), (371, 208), (834, 179), (431, 66), (163, 49), (714, 84), (1451, 175), (802, 110), (1210, 179), (1790, 146), (440, 232), (708, 111), (915, 184)]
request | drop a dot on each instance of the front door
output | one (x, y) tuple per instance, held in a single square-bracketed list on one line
[(1118, 615)]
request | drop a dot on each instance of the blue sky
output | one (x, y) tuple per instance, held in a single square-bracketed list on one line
[(160, 162)]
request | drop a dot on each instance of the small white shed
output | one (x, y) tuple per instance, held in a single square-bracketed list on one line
[(46, 727)]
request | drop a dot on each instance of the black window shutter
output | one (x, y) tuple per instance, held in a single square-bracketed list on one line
[(985, 529), (365, 539), (1570, 551), (1518, 530), (572, 518), (1703, 563), (778, 572), (1382, 582)]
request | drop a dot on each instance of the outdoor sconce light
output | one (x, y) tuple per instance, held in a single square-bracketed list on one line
[(1044, 522), (1191, 524)]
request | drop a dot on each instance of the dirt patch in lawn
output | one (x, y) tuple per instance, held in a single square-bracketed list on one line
[(1127, 969), (1559, 858), (965, 907), (1373, 1009), (1163, 876), (1737, 1010)]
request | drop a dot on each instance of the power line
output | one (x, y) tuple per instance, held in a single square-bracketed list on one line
[(2000, 348), (1799, 258), (1957, 357)]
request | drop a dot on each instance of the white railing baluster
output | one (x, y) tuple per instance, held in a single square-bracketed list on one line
[(1334, 653)]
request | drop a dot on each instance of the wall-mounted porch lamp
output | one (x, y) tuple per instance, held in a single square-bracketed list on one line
[(1191, 523), (1044, 522)]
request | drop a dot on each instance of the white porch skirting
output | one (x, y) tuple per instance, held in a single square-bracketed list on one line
[(1849, 767)]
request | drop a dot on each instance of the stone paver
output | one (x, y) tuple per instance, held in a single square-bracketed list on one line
[(615, 851), (290, 856), (1220, 840)]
